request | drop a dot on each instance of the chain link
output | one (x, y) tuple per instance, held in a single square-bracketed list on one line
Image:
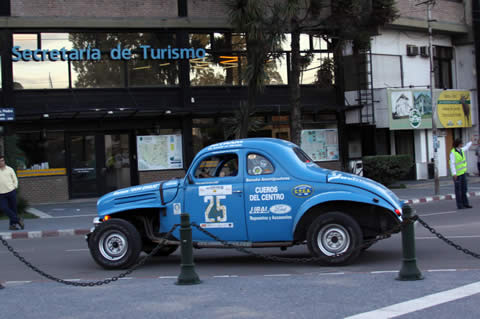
[(142, 261), (90, 283), (366, 244), (446, 240)]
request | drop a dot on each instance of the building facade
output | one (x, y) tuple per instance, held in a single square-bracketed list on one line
[(109, 94), (393, 104)]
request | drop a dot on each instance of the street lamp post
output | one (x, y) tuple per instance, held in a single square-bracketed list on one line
[(434, 101), (430, 4)]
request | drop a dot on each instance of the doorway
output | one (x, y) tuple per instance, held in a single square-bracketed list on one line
[(99, 163)]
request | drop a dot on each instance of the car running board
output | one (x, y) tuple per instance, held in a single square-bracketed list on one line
[(217, 244)]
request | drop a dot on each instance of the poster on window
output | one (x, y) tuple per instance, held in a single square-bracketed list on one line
[(159, 152), (410, 109), (320, 145)]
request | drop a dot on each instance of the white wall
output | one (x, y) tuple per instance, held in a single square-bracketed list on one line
[(416, 69), (465, 75)]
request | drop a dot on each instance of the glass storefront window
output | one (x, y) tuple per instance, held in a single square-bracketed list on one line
[(239, 42), (41, 150), (26, 41), (104, 73), (206, 132), (319, 43), (200, 40), (276, 71), (304, 42), (55, 41), (83, 40), (317, 68), (40, 75), (216, 70), (286, 43), (144, 73)]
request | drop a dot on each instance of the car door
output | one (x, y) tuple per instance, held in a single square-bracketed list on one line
[(214, 196), (270, 198)]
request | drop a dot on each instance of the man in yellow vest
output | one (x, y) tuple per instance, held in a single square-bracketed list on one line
[(458, 168)]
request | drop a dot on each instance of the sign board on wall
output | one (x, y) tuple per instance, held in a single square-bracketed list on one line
[(320, 145), (409, 109), (454, 109), (159, 152)]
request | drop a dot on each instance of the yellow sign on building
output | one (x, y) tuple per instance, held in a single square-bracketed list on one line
[(454, 109)]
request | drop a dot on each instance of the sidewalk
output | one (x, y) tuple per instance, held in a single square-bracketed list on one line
[(75, 217)]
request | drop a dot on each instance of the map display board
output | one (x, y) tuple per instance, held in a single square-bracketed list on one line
[(159, 152), (320, 145)]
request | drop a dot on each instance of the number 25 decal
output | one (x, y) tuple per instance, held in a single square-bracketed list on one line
[(215, 213)]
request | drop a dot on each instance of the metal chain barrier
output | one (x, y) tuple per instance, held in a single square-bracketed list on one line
[(366, 244), (446, 240), (91, 283)]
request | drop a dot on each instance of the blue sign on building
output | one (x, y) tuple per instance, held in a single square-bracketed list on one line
[(7, 114)]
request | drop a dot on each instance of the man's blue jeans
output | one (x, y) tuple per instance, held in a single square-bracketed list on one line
[(461, 191), (8, 205)]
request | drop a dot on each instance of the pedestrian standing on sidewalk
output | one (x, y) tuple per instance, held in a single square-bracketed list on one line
[(458, 168), (8, 194)]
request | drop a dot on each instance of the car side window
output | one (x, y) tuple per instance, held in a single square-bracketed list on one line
[(258, 165), (217, 166)]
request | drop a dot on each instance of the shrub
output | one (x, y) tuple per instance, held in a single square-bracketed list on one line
[(386, 169)]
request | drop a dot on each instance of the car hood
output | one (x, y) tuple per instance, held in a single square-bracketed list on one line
[(140, 196), (336, 177)]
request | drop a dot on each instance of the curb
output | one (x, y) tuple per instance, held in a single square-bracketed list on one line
[(44, 234), (79, 232), (438, 197)]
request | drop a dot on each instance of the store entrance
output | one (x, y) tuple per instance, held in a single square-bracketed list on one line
[(99, 163)]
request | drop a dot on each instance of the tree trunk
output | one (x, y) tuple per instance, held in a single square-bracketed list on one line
[(294, 82)]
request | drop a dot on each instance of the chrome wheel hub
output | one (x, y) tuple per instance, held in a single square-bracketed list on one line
[(333, 239), (113, 246)]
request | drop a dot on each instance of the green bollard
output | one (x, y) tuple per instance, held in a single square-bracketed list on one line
[(409, 270), (187, 276)]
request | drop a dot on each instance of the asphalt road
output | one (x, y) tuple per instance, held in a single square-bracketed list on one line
[(239, 286)]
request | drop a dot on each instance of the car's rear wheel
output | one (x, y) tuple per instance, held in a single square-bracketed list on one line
[(115, 244), (334, 238)]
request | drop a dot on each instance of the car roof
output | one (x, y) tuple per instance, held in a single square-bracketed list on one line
[(273, 144)]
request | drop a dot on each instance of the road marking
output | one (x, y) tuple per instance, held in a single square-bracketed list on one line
[(126, 278), (17, 282), (74, 216), (440, 270), (332, 273), (38, 213), (226, 276), (442, 213), (384, 271), (450, 237), (421, 303), (277, 275), (167, 277), (6, 236)]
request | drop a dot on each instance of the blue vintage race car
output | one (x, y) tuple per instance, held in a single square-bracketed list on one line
[(258, 192)]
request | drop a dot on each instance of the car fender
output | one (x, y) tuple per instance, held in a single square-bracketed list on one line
[(340, 196)]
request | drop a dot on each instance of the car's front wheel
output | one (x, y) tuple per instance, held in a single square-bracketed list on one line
[(115, 244), (334, 238)]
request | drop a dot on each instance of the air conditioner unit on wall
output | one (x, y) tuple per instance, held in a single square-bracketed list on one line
[(412, 50), (424, 52)]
